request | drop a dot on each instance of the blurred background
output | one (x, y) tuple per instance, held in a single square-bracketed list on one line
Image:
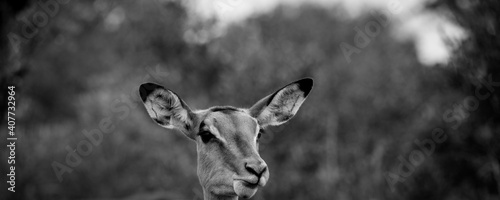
[(405, 103)]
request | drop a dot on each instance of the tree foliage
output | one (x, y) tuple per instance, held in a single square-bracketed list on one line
[(347, 141)]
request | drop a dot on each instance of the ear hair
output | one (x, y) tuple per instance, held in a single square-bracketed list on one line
[(166, 108), (280, 106)]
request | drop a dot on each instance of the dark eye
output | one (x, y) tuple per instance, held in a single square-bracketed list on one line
[(259, 134), (206, 136)]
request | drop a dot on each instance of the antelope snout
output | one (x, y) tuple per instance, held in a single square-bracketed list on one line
[(256, 167)]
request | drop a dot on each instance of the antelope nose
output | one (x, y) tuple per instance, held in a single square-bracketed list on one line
[(257, 168)]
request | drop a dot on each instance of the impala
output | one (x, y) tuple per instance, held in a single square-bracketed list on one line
[(227, 138)]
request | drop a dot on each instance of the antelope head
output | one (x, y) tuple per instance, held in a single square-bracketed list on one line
[(227, 138)]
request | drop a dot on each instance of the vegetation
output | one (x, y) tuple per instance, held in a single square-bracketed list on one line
[(365, 132)]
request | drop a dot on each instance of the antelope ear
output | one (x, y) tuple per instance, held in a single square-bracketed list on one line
[(166, 108), (280, 106)]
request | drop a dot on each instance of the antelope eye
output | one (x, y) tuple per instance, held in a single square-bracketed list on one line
[(260, 134), (206, 136)]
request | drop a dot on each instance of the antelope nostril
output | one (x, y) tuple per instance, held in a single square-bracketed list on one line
[(256, 168)]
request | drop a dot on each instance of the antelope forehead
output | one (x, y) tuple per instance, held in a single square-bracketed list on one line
[(229, 124)]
